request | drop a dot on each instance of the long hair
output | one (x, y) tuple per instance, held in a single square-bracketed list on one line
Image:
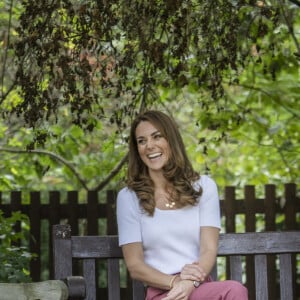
[(178, 171)]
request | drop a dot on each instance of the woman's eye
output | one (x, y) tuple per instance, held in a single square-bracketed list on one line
[(141, 142), (157, 136)]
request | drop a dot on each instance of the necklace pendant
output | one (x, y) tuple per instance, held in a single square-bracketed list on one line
[(170, 204)]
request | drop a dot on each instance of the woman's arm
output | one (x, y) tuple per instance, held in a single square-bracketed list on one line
[(209, 240), (209, 237), (139, 270)]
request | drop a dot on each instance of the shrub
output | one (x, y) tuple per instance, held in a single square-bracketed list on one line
[(14, 257)]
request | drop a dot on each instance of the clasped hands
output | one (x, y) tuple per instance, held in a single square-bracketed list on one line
[(183, 284)]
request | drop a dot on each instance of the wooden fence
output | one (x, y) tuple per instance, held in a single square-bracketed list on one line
[(95, 216)]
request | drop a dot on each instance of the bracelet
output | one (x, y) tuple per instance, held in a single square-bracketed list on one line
[(172, 281)]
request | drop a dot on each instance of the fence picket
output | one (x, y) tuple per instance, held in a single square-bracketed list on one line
[(35, 234)]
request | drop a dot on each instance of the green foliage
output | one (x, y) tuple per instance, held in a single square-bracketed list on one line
[(14, 259), (76, 54), (227, 70)]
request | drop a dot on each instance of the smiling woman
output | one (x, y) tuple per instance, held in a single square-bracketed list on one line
[(156, 147), (169, 217)]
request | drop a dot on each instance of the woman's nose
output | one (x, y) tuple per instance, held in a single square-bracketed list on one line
[(149, 144)]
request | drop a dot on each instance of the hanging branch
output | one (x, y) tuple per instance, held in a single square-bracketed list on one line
[(51, 155), (290, 27), (297, 2), (281, 103), (112, 174), (5, 53), (60, 159)]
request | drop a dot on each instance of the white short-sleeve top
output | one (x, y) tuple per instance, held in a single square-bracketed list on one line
[(170, 238)]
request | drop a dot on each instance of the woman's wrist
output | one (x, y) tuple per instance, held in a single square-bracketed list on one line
[(172, 281)]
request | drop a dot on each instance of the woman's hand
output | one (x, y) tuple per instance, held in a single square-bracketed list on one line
[(193, 272), (180, 291)]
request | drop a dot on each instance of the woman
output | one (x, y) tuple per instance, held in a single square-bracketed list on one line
[(169, 217)]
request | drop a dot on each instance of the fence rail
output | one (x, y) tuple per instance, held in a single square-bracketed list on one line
[(93, 210)]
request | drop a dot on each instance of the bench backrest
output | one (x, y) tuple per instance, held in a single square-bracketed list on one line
[(90, 248)]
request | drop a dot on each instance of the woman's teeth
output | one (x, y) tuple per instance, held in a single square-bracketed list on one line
[(154, 155)]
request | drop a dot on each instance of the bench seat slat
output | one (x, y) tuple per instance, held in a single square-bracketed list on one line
[(236, 267), (261, 277), (138, 290), (285, 275), (89, 271), (113, 279)]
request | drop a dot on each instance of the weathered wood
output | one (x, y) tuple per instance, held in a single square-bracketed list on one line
[(111, 217), (261, 277), (92, 213), (89, 271), (286, 276), (290, 206), (90, 210), (73, 219), (62, 254), (229, 208), (113, 276), (270, 207), (250, 224), (45, 290), (95, 246), (54, 200), (35, 236), (258, 245), (270, 224), (88, 248), (76, 286), (138, 290), (235, 265), (231, 245)]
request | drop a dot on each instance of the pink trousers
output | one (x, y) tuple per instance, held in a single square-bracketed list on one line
[(210, 290)]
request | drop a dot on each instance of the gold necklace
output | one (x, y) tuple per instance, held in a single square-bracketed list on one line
[(170, 204)]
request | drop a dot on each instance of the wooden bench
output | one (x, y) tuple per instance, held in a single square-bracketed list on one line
[(89, 249)]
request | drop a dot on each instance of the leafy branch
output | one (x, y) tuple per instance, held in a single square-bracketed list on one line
[(4, 67), (297, 2), (280, 103), (69, 165), (290, 26), (112, 174)]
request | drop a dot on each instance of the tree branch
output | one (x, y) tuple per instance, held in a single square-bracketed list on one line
[(6, 48), (285, 162), (296, 2), (112, 174), (290, 26), (60, 159), (293, 113), (4, 95), (51, 155)]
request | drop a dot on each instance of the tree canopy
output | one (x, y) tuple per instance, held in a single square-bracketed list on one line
[(227, 70)]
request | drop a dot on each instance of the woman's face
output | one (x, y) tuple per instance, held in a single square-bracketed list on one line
[(153, 148)]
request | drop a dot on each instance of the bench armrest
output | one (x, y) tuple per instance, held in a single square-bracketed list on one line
[(76, 286)]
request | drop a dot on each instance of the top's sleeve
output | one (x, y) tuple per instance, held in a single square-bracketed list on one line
[(209, 207), (128, 217)]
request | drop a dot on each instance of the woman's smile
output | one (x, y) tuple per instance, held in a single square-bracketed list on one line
[(154, 155)]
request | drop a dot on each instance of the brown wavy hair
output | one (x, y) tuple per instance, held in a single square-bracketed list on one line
[(178, 171)]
